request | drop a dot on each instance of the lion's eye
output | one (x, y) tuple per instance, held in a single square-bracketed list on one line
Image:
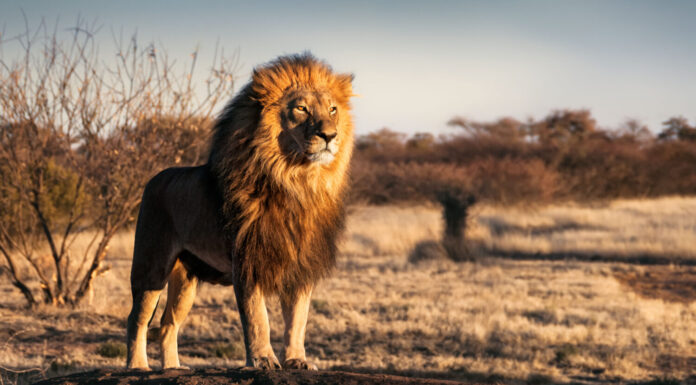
[(301, 108), (333, 110)]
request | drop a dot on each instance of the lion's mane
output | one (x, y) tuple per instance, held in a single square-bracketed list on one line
[(283, 214)]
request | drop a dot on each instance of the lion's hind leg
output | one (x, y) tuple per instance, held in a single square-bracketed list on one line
[(181, 293), (154, 254), (144, 304)]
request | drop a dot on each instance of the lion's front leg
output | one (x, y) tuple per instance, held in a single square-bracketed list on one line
[(257, 333), (295, 304)]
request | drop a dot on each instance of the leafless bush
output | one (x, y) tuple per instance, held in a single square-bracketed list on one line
[(80, 134)]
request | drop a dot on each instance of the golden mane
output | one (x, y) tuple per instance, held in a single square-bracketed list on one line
[(284, 213)]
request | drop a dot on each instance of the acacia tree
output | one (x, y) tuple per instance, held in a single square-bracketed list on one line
[(79, 137), (677, 128), (505, 128)]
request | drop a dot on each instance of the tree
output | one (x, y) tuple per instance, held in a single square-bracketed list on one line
[(78, 140), (382, 140), (420, 141), (507, 128), (635, 131), (678, 128), (563, 126)]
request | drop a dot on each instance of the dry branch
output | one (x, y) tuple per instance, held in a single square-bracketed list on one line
[(79, 137)]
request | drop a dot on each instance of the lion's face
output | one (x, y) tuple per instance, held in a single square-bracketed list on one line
[(310, 129)]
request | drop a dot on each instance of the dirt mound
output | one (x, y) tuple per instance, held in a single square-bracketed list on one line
[(235, 376)]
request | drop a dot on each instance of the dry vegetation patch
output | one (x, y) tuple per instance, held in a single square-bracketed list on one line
[(670, 283), (654, 231), (492, 319)]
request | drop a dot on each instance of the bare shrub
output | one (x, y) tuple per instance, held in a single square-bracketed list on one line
[(79, 137)]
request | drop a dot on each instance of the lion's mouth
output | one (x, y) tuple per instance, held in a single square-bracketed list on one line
[(324, 156)]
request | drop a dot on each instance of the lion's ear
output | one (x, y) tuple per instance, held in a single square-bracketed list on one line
[(345, 84)]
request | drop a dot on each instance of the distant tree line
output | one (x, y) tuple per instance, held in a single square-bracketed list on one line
[(564, 156)]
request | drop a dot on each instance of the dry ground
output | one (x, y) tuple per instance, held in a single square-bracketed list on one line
[(236, 376), (529, 317)]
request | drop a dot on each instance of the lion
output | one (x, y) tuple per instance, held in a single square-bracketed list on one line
[(263, 214)]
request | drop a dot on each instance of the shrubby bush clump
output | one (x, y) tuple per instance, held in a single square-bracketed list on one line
[(564, 156)]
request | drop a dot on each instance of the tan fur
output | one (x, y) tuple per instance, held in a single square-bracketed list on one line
[(137, 342), (181, 291), (295, 311), (262, 214)]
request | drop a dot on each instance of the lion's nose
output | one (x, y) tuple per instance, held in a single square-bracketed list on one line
[(327, 135), (325, 130)]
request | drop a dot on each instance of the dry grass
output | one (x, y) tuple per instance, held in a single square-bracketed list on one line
[(490, 320), (659, 228)]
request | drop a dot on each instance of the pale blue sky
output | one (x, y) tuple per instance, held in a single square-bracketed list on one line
[(419, 63)]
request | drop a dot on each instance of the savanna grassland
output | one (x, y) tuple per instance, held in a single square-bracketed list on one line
[(558, 293), (593, 282)]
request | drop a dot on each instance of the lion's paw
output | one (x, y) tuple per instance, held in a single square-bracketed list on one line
[(265, 363), (298, 363)]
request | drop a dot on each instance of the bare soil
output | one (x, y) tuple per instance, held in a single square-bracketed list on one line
[(670, 283), (236, 376)]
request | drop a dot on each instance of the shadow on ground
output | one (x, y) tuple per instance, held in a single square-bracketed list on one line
[(672, 279), (236, 376), (636, 259), (242, 376)]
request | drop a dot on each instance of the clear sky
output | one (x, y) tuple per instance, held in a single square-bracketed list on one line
[(419, 63)]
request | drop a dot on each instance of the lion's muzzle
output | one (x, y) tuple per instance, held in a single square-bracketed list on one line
[(323, 144)]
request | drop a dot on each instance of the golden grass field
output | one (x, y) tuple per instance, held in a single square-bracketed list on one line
[(563, 293)]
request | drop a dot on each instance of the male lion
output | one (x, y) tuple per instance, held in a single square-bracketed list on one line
[(263, 214)]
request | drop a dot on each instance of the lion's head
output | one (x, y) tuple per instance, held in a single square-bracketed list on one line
[(293, 116), (305, 108), (309, 120), (281, 152)]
